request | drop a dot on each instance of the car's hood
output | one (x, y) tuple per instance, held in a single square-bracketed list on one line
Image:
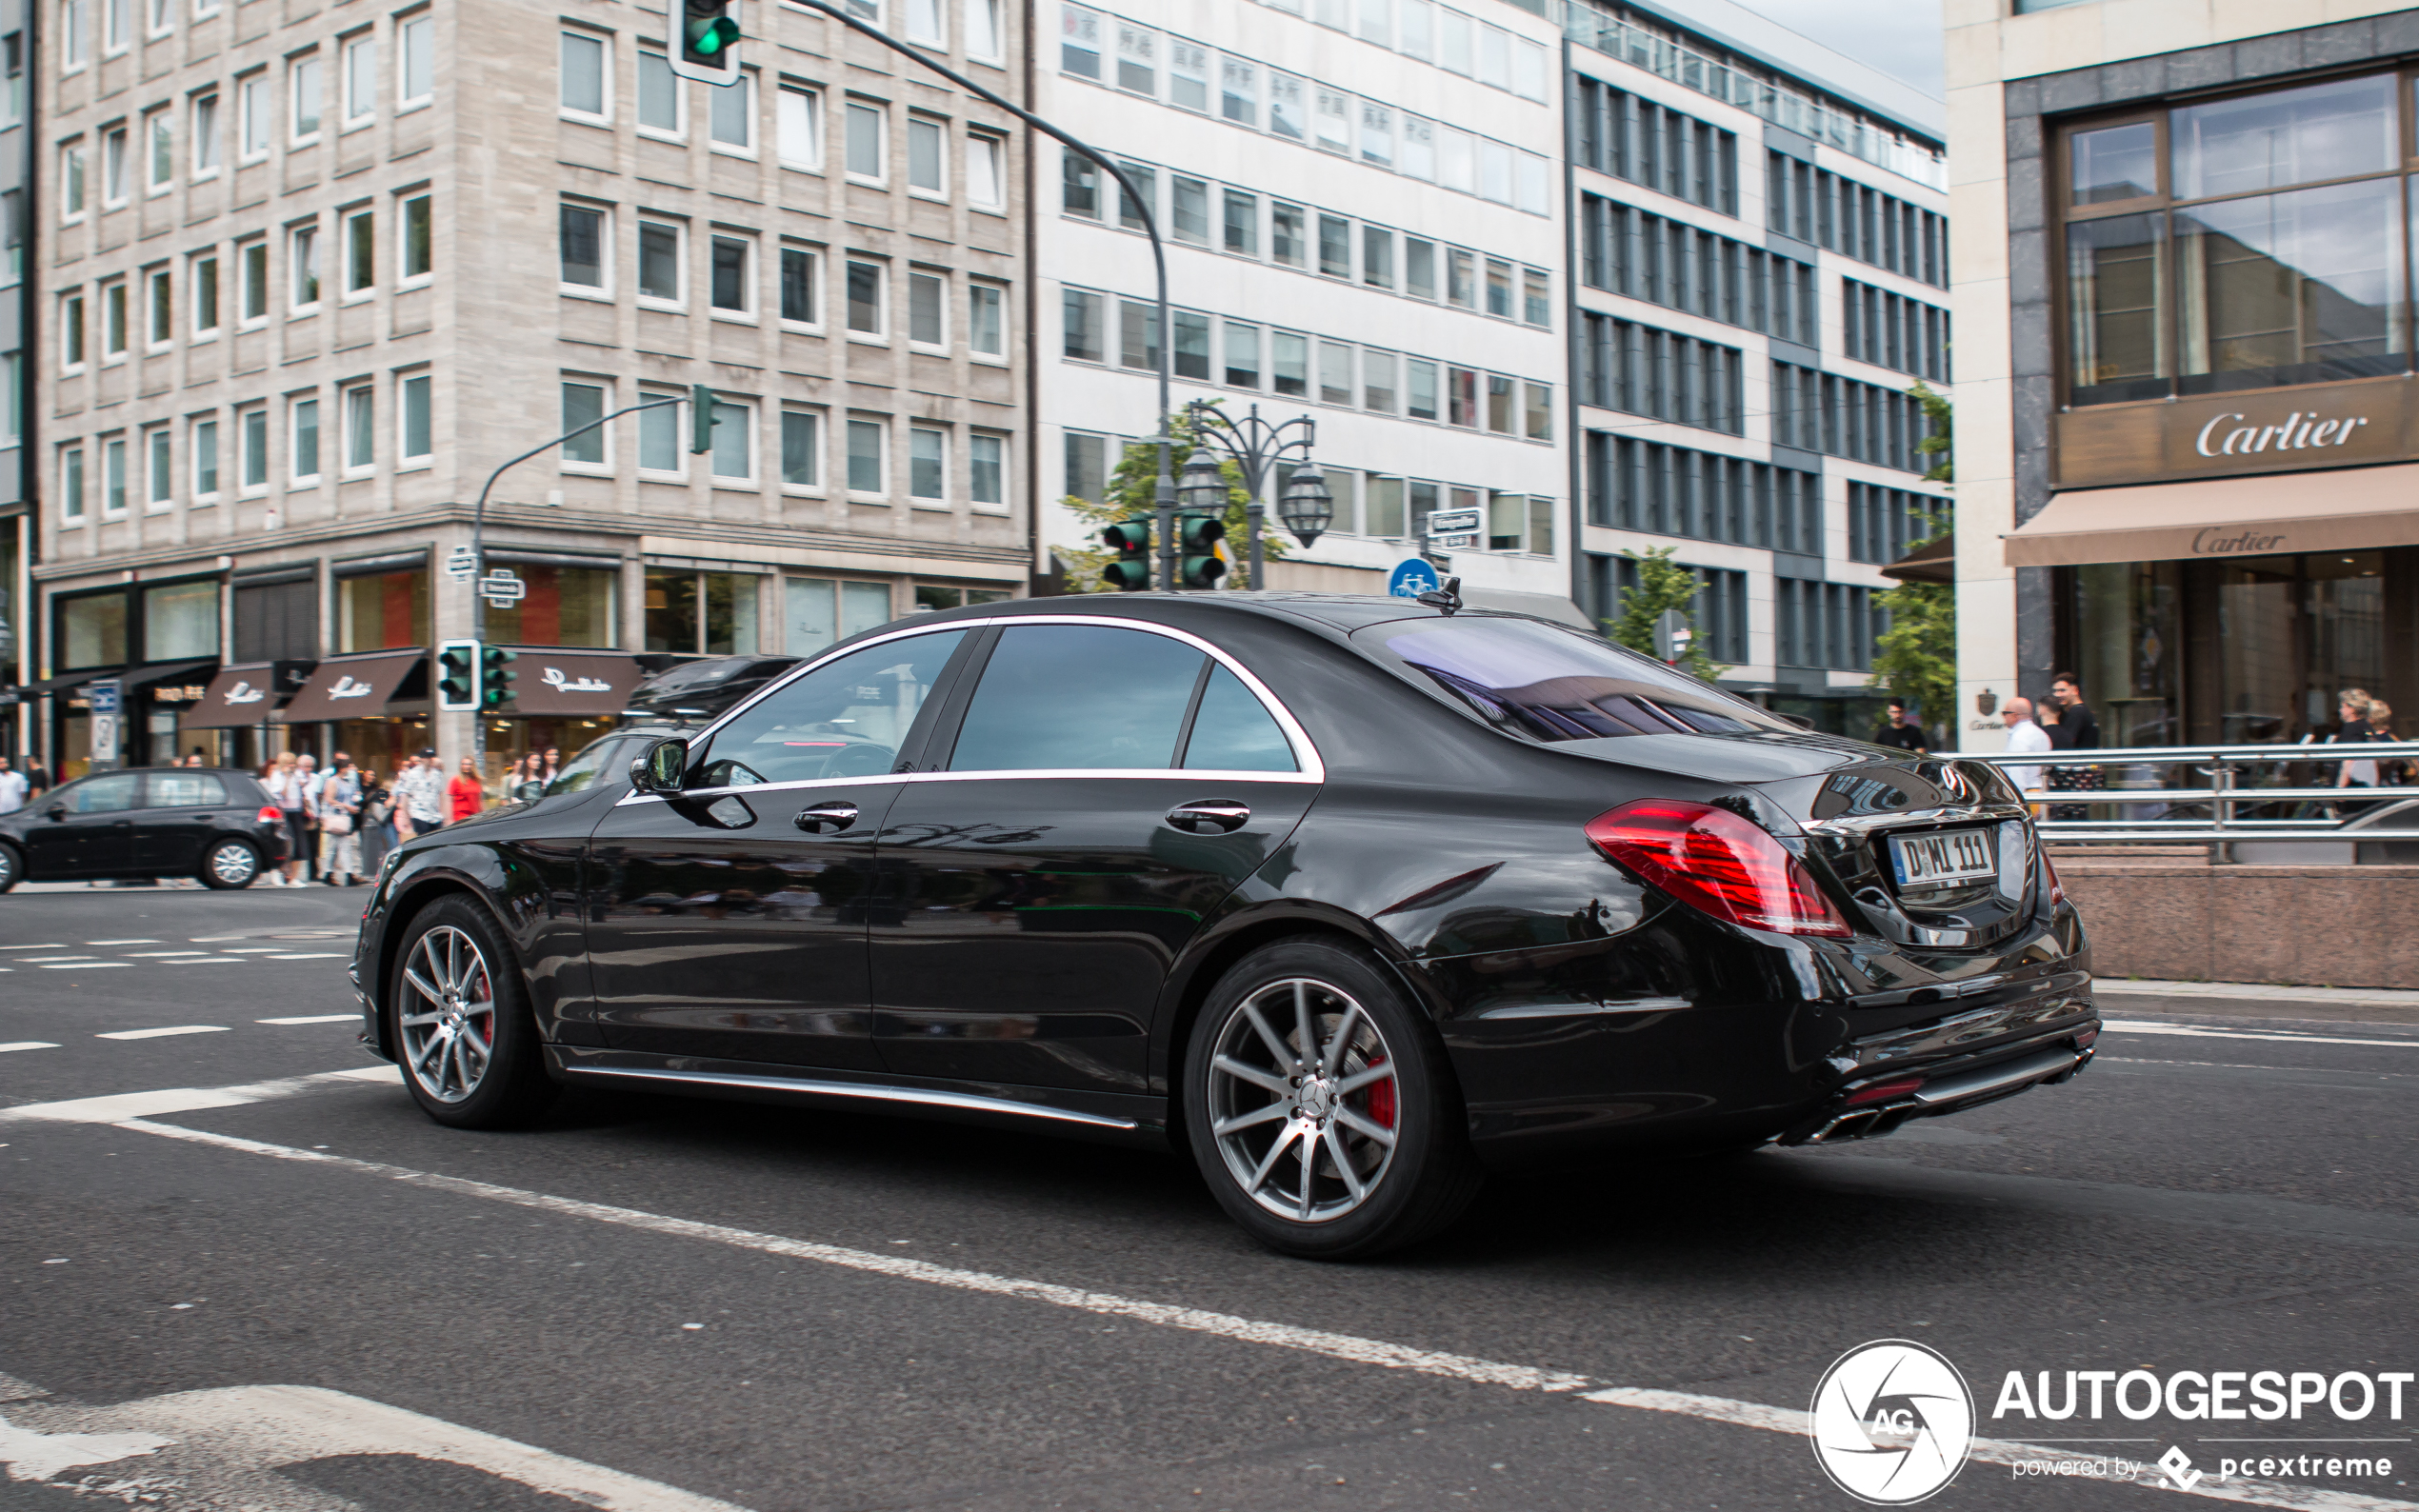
[(1810, 776)]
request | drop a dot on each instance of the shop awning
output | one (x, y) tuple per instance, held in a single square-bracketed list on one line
[(2339, 509), (243, 694), (551, 680), (352, 687)]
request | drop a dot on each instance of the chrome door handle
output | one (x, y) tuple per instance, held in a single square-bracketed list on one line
[(1209, 816), (827, 819)]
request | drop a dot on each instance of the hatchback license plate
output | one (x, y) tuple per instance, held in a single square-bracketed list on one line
[(1957, 855)]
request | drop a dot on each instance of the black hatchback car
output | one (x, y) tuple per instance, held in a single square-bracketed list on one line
[(1349, 899), (215, 824)]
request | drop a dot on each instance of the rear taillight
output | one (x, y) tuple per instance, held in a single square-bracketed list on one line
[(269, 814), (2057, 889), (1713, 859)]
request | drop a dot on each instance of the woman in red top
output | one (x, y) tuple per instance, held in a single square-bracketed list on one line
[(465, 795)]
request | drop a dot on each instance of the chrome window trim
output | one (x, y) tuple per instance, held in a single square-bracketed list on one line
[(1311, 768)]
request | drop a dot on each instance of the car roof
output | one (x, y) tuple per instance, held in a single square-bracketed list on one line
[(1341, 611)]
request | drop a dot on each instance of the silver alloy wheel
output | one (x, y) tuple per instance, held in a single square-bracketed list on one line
[(234, 863), (1304, 1107), (448, 1020)]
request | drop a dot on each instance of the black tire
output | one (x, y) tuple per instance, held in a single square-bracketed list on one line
[(495, 1079), (228, 865), (1408, 1190), (12, 866)]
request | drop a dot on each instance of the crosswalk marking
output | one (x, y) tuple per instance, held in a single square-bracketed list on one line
[(153, 1034), (29, 1044), (89, 966), (315, 1018)]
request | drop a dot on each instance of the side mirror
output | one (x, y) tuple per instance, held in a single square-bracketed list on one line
[(661, 769), (56, 812)]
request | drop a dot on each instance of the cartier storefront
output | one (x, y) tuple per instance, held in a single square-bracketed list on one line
[(2232, 529)]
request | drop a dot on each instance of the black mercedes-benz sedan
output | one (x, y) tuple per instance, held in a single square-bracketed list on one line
[(1348, 899)]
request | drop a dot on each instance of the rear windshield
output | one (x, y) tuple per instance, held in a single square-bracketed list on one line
[(1548, 682)]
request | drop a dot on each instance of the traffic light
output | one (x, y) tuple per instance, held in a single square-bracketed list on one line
[(1199, 565), (1131, 540), (457, 676), (705, 40), (495, 677), (701, 419)]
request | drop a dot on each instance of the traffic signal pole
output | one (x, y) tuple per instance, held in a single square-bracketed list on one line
[(478, 545), (1165, 491)]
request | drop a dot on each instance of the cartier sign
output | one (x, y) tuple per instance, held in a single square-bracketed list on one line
[(2220, 435)]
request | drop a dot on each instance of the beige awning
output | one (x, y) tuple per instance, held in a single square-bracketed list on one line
[(2339, 509)]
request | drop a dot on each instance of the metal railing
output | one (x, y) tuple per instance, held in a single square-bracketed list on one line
[(2226, 808)]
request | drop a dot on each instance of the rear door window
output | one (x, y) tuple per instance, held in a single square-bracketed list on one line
[(186, 791), (1551, 683), (1078, 698), (102, 795), (847, 718), (1233, 731)]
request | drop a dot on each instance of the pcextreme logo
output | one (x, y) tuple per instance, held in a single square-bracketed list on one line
[(1892, 1420)]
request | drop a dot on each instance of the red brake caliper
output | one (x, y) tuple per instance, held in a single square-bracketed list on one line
[(1382, 1099)]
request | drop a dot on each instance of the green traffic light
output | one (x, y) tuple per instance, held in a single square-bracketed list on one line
[(709, 39)]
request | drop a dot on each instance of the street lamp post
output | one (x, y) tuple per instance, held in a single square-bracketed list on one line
[(1258, 449), (1165, 493)]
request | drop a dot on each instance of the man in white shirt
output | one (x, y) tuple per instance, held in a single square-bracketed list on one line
[(13, 787), (422, 789), (2023, 735)]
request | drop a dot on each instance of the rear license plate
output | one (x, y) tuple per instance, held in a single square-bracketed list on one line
[(1956, 855)]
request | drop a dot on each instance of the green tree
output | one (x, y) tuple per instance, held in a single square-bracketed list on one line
[(1132, 493), (1916, 658), (1663, 583)]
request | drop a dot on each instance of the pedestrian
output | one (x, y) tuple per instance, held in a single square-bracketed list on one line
[(2023, 735), (1902, 732), (308, 765), (529, 779), (421, 790), (339, 823), (2074, 729), (553, 762), (375, 823), (13, 788), (283, 780), (466, 795), (2357, 728)]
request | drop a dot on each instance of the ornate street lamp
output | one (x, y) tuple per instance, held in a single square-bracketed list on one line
[(1306, 505), (1259, 450)]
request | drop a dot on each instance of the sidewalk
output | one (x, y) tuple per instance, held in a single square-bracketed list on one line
[(2254, 1000)]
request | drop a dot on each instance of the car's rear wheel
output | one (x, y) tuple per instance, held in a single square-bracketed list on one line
[(461, 1022), (230, 864), (12, 866), (1320, 1108)]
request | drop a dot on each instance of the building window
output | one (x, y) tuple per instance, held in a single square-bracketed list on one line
[(730, 282), (160, 306), (1288, 240), (254, 114), (304, 81), (381, 610), (113, 321), (986, 320), (1289, 364), (305, 439), (865, 299), (1241, 355), (659, 441), (928, 464), (72, 183), (982, 19), (71, 483), (361, 80), (1335, 373), (659, 95), (205, 135), (361, 428), (160, 132), (361, 251), (253, 437), (1335, 247), (865, 147), (1079, 185), (659, 275), (1378, 391), (113, 175), (1242, 222), (1188, 210), (731, 121), (419, 258), (304, 249), (584, 405), (928, 305), (583, 75), (416, 80), (112, 475), (986, 169), (709, 613), (798, 286), (924, 24), (1084, 333), (1192, 356), (1138, 335), (203, 438), (867, 444), (561, 606), (801, 448), (733, 456), (798, 128), (928, 142), (252, 258), (159, 473), (417, 440)]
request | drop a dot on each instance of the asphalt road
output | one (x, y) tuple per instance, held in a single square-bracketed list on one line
[(310, 1297)]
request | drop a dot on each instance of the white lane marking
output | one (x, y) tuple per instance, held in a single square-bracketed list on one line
[(29, 1044), (121, 942), (2245, 1065), (186, 1099), (2003, 1451), (93, 966), (240, 1435), (209, 939), (2132, 1027), (321, 955), (316, 1018), (163, 1033), (1225, 1325), (35, 961), (167, 955), (252, 951), (60, 946)]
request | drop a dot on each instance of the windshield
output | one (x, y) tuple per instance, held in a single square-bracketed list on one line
[(1548, 682)]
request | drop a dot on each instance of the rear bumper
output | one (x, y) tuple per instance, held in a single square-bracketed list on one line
[(1879, 1106)]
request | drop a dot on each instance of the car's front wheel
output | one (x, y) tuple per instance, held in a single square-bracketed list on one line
[(461, 1022), (230, 864), (12, 866), (1320, 1108)]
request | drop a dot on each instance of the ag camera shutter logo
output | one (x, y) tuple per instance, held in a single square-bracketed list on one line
[(1892, 1420)]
